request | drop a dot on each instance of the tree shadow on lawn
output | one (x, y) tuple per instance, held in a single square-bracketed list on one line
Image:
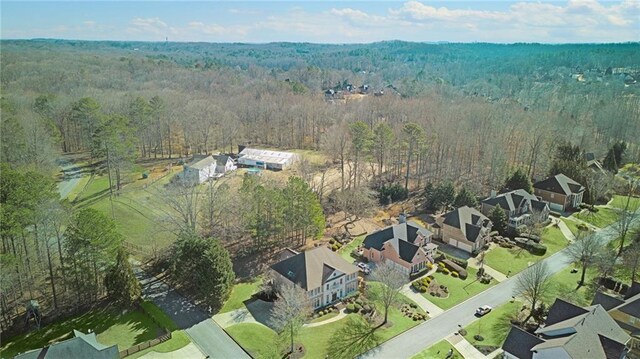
[(260, 310), (353, 339)]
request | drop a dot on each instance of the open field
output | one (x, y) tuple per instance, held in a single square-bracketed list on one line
[(459, 290), (111, 325), (516, 259)]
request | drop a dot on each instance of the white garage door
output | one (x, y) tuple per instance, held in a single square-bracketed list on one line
[(460, 245)]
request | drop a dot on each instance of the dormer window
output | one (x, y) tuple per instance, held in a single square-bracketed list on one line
[(290, 274)]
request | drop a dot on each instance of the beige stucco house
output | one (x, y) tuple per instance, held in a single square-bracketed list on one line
[(465, 228), (408, 245), (323, 274)]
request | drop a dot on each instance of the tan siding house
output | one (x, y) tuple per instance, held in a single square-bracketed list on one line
[(465, 228)]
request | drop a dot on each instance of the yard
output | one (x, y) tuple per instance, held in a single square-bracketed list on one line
[(438, 351), (345, 251), (494, 326), (564, 285), (604, 217), (621, 202), (573, 225), (459, 290), (240, 293), (516, 259), (111, 325)]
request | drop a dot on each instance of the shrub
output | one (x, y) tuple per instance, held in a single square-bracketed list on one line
[(358, 307), (536, 248), (423, 289), (441, 264), (332, 241), (455, 274), (351, 308), (393, 191), (445, 271), (433, 294), (478, 337)]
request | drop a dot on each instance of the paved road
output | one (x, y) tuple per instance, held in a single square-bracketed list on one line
[(432, 331), (71, 178), (202, 330)]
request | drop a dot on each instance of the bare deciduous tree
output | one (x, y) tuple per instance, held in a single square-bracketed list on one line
[(585, 251), (290, 311), (392, 280), (533, 285), (625, 218), (182, 197)]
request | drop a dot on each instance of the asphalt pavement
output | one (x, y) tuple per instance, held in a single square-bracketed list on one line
[(436, 329), (202, 330)]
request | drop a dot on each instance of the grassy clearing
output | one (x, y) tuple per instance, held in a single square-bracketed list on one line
[(73, 194), (240, 293), (438, 351), (459, 290), (111, 325), (621, 202), (516, 259), (345, 251), (494, 326), (256, 339), (602, 218)]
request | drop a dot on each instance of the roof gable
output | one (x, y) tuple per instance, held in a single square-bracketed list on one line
[(562, 310), (559, 184), (400, 237), (519, 343)]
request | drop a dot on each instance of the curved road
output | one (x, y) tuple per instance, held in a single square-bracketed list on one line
[(436, 329), (72, 176)]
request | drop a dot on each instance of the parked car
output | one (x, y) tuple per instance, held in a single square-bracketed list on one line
[(363, 268), (483, 310)]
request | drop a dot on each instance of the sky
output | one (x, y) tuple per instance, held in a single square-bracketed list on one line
[(573, 21)]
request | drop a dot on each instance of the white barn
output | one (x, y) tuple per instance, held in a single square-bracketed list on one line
[(200, 169), (224, 164), (273, 160)]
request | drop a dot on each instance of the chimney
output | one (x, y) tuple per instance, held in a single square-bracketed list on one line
[(402, 218), (493, 193)]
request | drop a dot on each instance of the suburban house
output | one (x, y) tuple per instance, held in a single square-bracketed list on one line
[(520, 207), (408, 245), (224, 164), (200, 169), (560, 191), (465, 228), (323, 274), (81, 346), (625, 311), (570, 332), (593, 163), (272, 160)]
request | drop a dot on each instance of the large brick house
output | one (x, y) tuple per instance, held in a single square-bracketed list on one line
[(560, 191), (521, 207), (408, 245), (465, 228), (570, 332), (324, 275)]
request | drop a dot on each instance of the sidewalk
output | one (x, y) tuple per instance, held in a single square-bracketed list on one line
[(566, 231), (499, 276), (431, 309), (342, 314), (465, 348)]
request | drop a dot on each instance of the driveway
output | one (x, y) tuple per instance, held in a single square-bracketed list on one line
[(203, 331), (435, 329), (72, 176)]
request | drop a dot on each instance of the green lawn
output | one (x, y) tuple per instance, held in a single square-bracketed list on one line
[(516, 259), (178, 340), (602, 218), (494, 326), (345, 251), (459, 290), (564, 285), (438, 351), (240, 293), (621, 202), (324, 317), (573, 225), (73, 194), (110, 325), (257, 339), (316, 340)]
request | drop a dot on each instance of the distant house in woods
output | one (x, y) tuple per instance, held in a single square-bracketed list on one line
[(273, 160), (408, 245), (80, 347), (570, 332), (520, 207), (323, 274), (560, 191), (593, 163), (465, 228), (625, 311), (203, 168)]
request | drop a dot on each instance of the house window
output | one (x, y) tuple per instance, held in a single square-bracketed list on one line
[(340, 280), (552, 195), (327, 286)]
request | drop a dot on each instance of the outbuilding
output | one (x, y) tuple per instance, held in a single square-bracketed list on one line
[(272, 160)]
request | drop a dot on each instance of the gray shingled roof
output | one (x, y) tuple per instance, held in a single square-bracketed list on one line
[(82, 346), (519, 343), (221, 160), (311, 268), (200, 163), (468, 220), (559, 184), (400, 236), (606, 301), (514, 200), (562, 310)]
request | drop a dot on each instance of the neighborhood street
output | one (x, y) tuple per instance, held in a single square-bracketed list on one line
[(434, 330), (199, 326)]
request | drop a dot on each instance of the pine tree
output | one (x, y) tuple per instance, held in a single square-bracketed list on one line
[(499, 219), (518, 180), (465, 198), (122, 285)]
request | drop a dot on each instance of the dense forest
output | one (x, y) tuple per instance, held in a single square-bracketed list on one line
[(463, 114)]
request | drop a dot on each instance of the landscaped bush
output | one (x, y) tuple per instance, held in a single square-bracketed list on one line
[(335, 247), (332, 241), (536, 248), (451, 266), (357, 307), (455, 274), (423, 289), (446, 271), (441, 265), (351, 308), (478, 337)]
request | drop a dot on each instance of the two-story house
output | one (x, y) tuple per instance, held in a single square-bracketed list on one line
[(323, 274), (465, 228), (224, 164), (625, 311), (408, 245), (570, 332), (560, 191), (521, 207)]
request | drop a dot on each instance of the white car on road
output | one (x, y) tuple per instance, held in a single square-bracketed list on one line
[(483, 310), (364, 268)]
